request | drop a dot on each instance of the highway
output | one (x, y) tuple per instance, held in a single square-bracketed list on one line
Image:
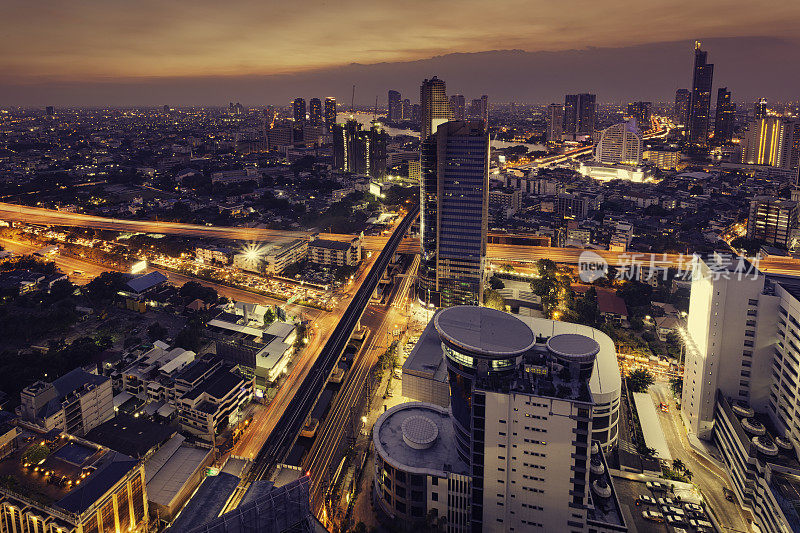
[(328, 447), (279, 443), (499, 253)]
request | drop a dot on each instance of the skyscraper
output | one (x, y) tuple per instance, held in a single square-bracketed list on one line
[(407, 115), (330, 112), (299, 109), (457, 106), (641, 112), (580, 115), (434, 106), (479, 109), (555, 122), (359, 152), (724, 117), (51, 111), (700, 108), (772, 220), (454, 196), (683, 99), (621, 143), (760, 108), (315, 111), (772, 141), (395, 111)]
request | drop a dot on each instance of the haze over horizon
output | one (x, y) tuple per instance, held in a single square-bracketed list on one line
[(203, 53)]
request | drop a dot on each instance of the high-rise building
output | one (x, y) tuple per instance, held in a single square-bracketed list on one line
[(407, 115), (434, 106), (458, 107), (315, 111), (51, 111), (680, 114), (620, 143), (772, 220), (725, 117), (479, 109), (533, 406), (395, 107), (772, 141), (454, 187), (700, 107), (299, 109), (330, 112), (760, 109), (740, 385), (359, 152), (555, 122), (580, 115), (641, 112)]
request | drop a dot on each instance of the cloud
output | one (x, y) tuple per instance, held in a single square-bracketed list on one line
[(749, 66), (98, 39)]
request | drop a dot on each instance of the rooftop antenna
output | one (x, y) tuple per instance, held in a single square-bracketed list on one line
[(375, 111)]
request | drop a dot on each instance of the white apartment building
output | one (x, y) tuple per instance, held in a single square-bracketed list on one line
[(619, 144), (741, 384), (279, 257), (335, 253), (77, 402), (531, 400)]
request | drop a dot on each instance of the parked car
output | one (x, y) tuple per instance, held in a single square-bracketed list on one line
[(697, 524), (666, 501), (644, 499), (693, 507), (653, 516), (655, 486), (673, 519)]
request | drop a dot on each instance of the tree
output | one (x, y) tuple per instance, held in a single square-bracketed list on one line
[(678, 465), (494, 300), (156, 331), (61, 289), (635, 293), (547, 267), (639, 380), (676, 384), (688, 474), (496, 283), (106, 285)]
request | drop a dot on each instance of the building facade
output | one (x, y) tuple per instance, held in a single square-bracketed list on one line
[(335, 253), (555, 122), (724, 117), (518, 448), (580, 115), (700, 106), (740, 385), (680, 113), (434, 106), (76, 402), (620, 143), (454, 188), (330, 112), (772, 220)]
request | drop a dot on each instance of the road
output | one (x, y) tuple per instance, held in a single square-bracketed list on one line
[(707, 476), (266, 418), (330, 443), (502, 253), (279, 443)]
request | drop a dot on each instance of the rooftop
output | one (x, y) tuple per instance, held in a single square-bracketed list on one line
[(430, 431), (134, 436), (330, 245), (426, 358), (484, 331), (146, 281)]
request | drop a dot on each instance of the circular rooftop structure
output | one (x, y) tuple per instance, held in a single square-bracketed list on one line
[(419, 432), (573, 347), (484, 331)]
